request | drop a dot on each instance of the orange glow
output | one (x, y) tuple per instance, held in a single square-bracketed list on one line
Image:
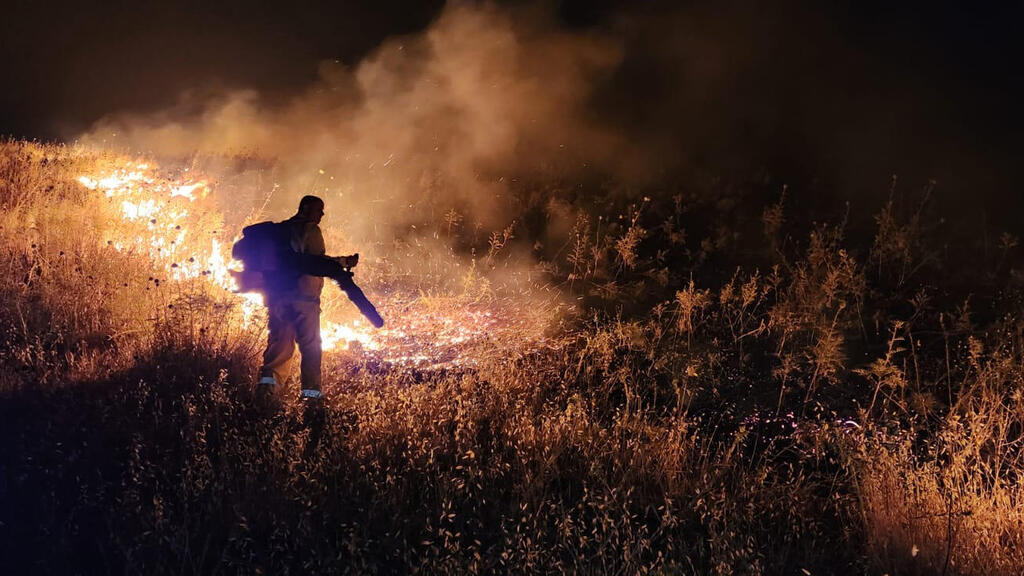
[(159, 217)]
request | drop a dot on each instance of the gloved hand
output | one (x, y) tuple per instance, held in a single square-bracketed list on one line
[(348, 261)]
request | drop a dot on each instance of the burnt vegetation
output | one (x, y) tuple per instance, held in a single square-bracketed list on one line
[(737, 390)]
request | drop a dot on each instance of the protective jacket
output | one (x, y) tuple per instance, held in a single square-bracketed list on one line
[(288, 283), (293, 306)]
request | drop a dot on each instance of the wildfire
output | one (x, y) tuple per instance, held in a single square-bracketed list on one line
[(162, 220)]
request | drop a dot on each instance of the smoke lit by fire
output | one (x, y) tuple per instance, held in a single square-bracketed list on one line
[(169, 221)]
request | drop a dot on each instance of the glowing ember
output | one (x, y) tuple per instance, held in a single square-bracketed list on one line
[(333, 335)]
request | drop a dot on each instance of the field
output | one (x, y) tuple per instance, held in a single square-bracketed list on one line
[(679, 383)]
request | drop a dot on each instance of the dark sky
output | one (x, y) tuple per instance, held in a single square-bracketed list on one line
[(845, 91), (66, 64)]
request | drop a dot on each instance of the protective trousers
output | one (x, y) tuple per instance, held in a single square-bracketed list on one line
[(294, 321)]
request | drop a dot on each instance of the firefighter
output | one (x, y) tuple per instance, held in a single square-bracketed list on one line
[(293, 302)]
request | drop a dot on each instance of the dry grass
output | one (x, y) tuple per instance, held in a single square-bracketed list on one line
[(793, 415), (952, 504)]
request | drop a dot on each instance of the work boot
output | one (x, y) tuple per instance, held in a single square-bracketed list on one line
[(313, 402), (266, 392)]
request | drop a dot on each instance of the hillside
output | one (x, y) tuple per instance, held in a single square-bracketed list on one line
[(678, 383)]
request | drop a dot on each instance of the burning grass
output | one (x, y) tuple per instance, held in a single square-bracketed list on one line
[(172, 220), (816, 410)]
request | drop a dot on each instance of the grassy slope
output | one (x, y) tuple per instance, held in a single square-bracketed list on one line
[(835, 413)]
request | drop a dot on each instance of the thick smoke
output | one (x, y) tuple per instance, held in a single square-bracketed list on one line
[(469, 113), (425, 124)]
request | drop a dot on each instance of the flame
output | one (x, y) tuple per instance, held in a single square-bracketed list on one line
[(159, 217), (341, 336)]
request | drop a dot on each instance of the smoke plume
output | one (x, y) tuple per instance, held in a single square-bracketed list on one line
[(438, 121), (463, 117)]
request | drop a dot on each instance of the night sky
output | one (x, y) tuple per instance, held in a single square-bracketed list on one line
[(844, 94)]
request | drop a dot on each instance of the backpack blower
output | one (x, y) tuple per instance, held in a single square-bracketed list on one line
[(264, 249)]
